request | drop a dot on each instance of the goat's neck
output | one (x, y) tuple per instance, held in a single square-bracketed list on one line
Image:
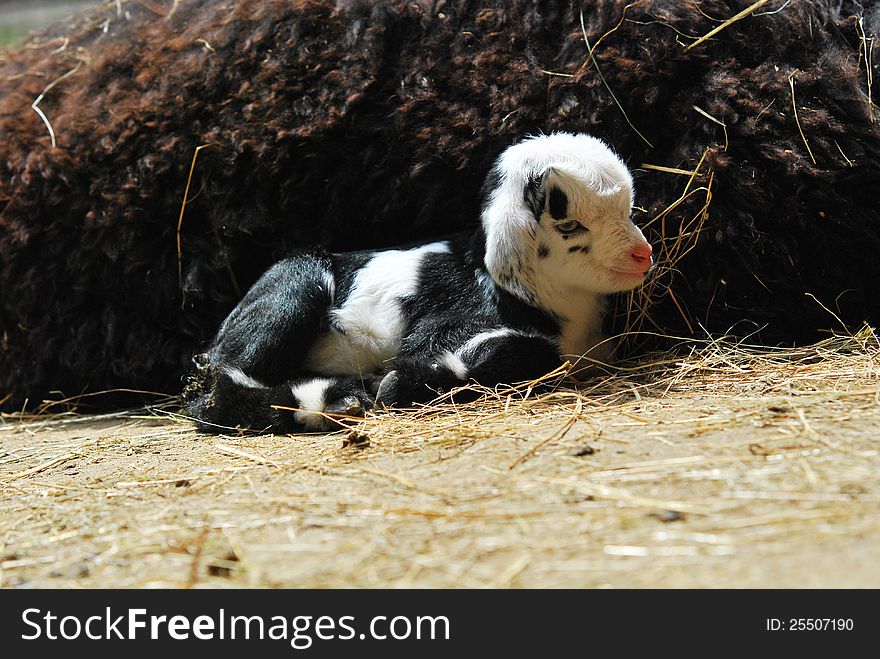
[(579, 313)]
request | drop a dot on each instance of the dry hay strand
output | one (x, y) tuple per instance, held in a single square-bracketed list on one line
[(797, 118), (592, 57), (183, 203), (745, 12), (673, 240), (866, 49)]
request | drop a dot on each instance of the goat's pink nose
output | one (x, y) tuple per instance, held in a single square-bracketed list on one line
[(642, 253)]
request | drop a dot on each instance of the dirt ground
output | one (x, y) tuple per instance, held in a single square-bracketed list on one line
[(725, 468)]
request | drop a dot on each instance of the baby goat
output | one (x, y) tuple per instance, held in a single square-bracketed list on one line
[(332, 334)]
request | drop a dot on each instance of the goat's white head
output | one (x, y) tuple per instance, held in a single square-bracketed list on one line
[(557, 220)]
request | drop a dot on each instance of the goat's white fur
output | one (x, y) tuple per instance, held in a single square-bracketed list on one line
[(241, 378), (311, 397), (366, 330)]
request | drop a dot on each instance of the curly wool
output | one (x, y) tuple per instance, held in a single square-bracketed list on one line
[(359, 124)]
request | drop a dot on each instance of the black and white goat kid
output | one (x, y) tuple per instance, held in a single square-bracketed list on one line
[(327, 335)]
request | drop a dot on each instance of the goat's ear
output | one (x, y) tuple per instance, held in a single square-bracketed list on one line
[(535, 192), (543, 193)]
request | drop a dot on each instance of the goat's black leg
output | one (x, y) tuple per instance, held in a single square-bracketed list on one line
[(270, 331), (308, 404), (490, 358), (320, 403), (261, 346)]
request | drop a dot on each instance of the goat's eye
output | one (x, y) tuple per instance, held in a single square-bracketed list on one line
[(569, 226)]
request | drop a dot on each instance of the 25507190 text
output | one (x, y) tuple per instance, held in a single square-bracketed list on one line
[(809, 624)]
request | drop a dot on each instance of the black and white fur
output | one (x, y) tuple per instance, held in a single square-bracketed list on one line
[(331, 334)]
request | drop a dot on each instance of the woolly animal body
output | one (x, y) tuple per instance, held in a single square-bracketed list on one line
[(330, 334)]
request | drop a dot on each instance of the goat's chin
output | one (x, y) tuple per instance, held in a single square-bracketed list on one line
[(599, 279), (606, 281)]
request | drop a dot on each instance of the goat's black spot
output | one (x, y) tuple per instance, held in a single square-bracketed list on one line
[(533, 196), (558, 204), (493, 181)]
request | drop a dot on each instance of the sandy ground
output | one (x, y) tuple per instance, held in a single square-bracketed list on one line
[(719, 470)]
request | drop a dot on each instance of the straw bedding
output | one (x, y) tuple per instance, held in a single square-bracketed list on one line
[(731, 466)]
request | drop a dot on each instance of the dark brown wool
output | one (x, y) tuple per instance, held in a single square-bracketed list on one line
[(364, 124)]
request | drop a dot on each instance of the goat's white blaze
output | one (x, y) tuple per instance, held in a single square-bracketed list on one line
[(457, 361), (468, 350), (370, 322), (310, 396), (455, 364), (241, 378), (463, 359), (329, 284)]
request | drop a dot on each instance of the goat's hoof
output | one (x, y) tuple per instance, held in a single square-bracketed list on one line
[(387, 392), (348, 406)]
